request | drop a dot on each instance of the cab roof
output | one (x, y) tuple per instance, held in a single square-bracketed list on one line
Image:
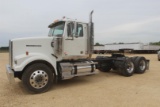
[(65, 20)]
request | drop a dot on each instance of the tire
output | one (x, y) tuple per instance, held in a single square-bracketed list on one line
[(158, 55), (158, 58), (140, 65), (104, 67), (128, 68), (38, 78), (134, 58)]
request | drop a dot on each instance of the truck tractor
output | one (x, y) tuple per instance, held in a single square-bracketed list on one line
[(64, 54)]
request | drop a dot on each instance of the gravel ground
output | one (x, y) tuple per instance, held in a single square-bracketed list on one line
[(101, 90)]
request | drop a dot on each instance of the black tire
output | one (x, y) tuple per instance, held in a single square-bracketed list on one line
[(38, 78), (140, 65), (134, 58), (128, 68), (158, 57), (105, 67)]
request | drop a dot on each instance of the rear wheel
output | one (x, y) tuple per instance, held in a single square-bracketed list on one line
[(128, 68), (140, 65), (158, 58), (104, 67), (134, 58), (38, 78)]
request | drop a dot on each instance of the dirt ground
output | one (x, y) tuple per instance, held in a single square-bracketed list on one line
[(101, 90)]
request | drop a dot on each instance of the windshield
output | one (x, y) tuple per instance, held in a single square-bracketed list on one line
[(57, 29)]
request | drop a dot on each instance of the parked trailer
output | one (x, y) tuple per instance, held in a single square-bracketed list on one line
[(99, 49), (64, 54), (133, 46), (129, 47)]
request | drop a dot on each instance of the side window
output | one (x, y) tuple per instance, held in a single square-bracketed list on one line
[(70, 28), (79, 31)]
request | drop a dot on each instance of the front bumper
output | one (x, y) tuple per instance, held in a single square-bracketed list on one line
[(10, 74)]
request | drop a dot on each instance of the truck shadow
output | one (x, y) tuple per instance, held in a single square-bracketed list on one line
[(84, 80), (74, 82), (19, 89)]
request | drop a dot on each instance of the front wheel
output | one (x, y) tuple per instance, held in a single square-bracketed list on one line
[(38, 78)]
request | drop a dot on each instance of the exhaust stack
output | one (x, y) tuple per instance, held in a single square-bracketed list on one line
[(90, 35)]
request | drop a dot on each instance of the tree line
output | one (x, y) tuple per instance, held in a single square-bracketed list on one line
[(155, 43), (4, 49)]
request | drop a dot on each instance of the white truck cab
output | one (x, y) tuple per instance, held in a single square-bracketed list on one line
[(64, 54), (69, 39)]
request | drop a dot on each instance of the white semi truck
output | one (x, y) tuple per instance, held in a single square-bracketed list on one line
[(64, 54)]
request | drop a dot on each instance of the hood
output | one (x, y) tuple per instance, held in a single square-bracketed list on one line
[(32, 45)]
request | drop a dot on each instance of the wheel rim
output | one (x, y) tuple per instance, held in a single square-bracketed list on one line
[(130, 67), (39, 79), (142, 65)]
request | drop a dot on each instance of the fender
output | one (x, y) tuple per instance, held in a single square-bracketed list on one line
[(21, 61)]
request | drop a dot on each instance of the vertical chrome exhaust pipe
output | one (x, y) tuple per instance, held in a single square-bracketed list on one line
[(90, 35)]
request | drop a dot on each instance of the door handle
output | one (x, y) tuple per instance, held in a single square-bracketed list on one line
[(52, 44)]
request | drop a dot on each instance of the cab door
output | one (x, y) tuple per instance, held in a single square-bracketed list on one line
[(75, 40)]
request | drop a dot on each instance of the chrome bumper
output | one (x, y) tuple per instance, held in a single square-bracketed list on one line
[(10, 74)]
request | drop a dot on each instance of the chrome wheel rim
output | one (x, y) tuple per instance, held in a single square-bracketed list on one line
[(39, 79), (130, 67), (142, 65)]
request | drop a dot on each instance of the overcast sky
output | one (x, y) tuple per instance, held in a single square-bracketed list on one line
[(115, 20)]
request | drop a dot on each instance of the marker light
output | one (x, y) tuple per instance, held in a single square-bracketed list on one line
[(27, 53), (56, 21)]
